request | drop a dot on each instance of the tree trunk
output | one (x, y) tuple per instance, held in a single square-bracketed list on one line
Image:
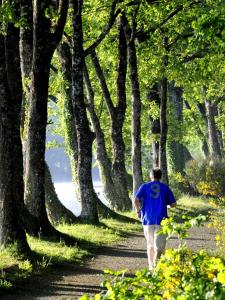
[(11, 159), (163, 131), (136, 107), (109, 188), (107, 213), (220, 136), (26, 51), (117, 115), (153, 96), (65, 58), (187, 155), (214, 145), (26, 40), (176, 148), (84, 136), (205, 148), (57, 212), (36, 134), (118, 164), (35, 150)]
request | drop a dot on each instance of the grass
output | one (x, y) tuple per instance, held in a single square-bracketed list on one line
[(195, 203), (6, 259), (191, 206), (12, 268), (89, 237), (56, 252)]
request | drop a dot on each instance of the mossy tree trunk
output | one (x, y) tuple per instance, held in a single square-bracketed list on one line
[(163, 131), (11, 157), (36, 132), (163, 114), (57, 212), (65, 57), (117, 115), (214, 145), (85, 137), (109, 188), (199, 132), (118, 163), (154, 96), (136, 105), (176, 147)]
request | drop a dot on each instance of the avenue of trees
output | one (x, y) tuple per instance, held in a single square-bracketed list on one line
[(135, 84)]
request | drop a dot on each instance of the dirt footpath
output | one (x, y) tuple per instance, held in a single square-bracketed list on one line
[(72, 281)]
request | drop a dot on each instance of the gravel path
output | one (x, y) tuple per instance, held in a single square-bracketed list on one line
[(72, 281)]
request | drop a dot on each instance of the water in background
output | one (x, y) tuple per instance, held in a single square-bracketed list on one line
[(66, 194), (59, 166)]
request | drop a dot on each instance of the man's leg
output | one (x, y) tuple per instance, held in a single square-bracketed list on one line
[(149, 235), (160, 243)]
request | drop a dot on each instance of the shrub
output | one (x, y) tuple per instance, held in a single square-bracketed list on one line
[(207, 177), (179, 275)]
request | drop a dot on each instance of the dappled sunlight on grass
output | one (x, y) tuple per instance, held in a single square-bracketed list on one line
[(88, 237), (109, 231), (56, 251), (195, 203), (122, 227), (6, 259), (191, 206)]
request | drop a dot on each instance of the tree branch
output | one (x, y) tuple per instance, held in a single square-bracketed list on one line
[(178, 37), (63, 8), (134, 22), (112, 18), (53, 68), (218, 100), (68, 38), (103, 83), (170, 16), (199, 54), (143, 36)]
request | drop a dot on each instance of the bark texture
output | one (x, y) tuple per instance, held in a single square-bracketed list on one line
[(36, 134), (118, 164), (26, 54), (163, 131), (117, 115), (57, 212), (85, 137), (176, 148), (26, 39), (11, 159), (155, 126), (199, 132), (136, 107), (109, 188), (65, 58), (214, 145)]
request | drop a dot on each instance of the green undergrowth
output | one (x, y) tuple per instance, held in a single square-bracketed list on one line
[(88, 238), (191, 206), (13, 268), (181, 273), (49, 252)]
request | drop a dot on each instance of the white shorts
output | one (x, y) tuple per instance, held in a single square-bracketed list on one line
[(154, 240)]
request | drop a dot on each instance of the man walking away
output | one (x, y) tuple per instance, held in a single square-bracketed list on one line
[(151, 201)]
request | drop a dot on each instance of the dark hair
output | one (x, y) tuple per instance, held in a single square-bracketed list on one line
[(156, 173)]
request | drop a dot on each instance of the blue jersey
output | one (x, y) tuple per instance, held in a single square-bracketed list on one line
[(154, 197)]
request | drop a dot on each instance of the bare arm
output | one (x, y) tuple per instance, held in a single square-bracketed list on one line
[(137, 204)]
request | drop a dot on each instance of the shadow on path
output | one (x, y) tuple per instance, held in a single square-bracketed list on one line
[(71, 281)]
